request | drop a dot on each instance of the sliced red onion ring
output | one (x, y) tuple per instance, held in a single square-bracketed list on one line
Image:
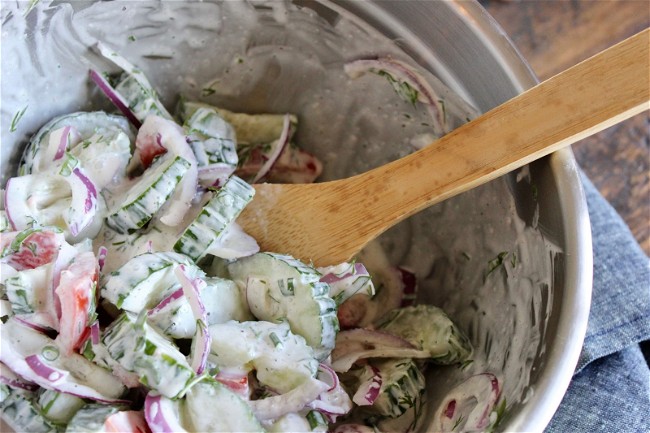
[(94, 333), (192, 288), (177, 294), (278, 147), (200, 347), (84, 201), (356, 344), (12, 380), (215, 174), (236, 382), (328, 373), (51, 375), (114, 97), (404, 73), (368, 391), (292, 401), (30, 324), (101, 257), (162, 414), (358, 269), (468, 405)]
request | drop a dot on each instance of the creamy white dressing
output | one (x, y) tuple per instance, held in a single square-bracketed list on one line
[(281, 60)]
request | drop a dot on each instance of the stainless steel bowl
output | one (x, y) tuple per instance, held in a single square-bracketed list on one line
[(455, 40)]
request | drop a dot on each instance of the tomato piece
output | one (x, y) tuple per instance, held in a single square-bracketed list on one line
[(76, 292), (129, 421), (32, 248)]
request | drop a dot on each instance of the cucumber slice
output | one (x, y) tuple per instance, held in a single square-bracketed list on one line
[(223, 301), (279, 287), (91, 418), (429, 328), (145, 280), (401, 387), (218, 213), (86, 124), (22, 415), (213, 138), (28, 290), (281, 358), (59, 407), (148, 195), (249, 128), (140, 95), (210, 406), (140, 349), (134, 87)]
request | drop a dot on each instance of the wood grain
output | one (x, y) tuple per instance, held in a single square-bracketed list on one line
[(331, 221), (553, 35)]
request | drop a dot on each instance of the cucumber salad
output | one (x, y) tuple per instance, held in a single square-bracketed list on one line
[(131, 300)]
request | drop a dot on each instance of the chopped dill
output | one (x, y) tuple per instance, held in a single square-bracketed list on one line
[(19, 115)]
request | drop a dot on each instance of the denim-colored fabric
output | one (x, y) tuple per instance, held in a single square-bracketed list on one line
[(610, 391)]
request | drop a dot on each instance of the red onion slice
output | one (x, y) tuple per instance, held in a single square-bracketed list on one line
[(201, 342), (51, 375), (102, 252), (31, 324), (83, 206), (468, 406), (328, 375), (214, 175), (356, 344), (403, 73), (114, 97), (292, 401), (177, 294), (12, 380), (409, 282), (162, 414), (278, 147), (368, 391)]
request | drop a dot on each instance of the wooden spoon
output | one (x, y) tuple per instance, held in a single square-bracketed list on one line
[(329, 222)]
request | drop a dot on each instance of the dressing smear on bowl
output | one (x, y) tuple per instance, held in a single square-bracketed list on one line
[(487, 269)]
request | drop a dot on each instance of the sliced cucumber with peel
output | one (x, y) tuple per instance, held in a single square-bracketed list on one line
[(212, 138), (148, 195), (145, 280), (141, 349), (279, 287), (210, 406), (217, 214), (402, 386), (249, 128), (429, 328), (22, 414)]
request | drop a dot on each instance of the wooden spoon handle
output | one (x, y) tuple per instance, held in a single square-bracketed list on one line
[(333, 220), (591, 96)]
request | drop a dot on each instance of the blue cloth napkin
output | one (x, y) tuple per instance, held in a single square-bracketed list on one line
[(610, 391)]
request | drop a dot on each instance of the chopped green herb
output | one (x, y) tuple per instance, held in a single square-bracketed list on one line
[(513, 260), (495, 263), (457, 423), (466, 256), (132, 38), (207, 91), (14, 122), (402, 88)]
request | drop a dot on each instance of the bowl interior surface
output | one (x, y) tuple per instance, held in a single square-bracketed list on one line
[(526, 323)]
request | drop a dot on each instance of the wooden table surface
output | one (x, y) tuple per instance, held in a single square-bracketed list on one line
[(553, 35)]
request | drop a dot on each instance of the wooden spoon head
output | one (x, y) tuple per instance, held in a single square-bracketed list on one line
[(301, 220)]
